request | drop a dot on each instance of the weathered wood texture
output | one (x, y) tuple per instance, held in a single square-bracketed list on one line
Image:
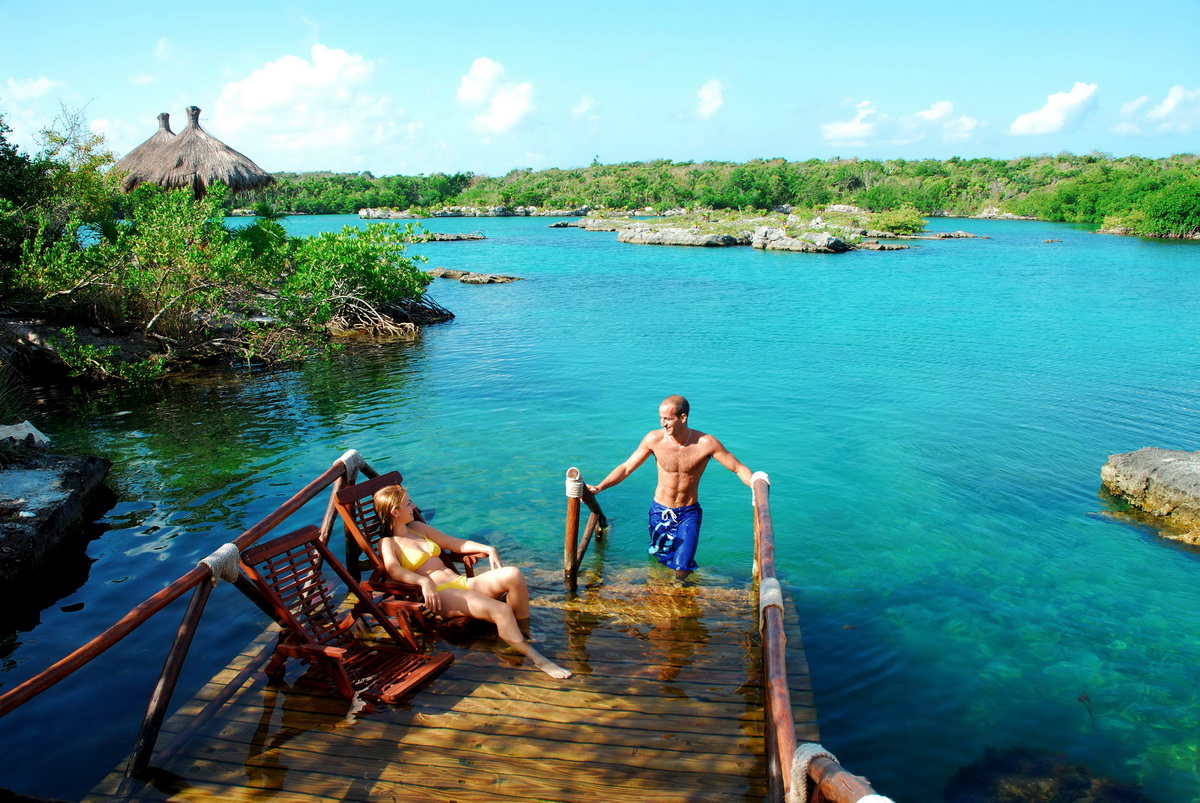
[(666, 705)]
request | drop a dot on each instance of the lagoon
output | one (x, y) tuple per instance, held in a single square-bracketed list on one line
[(933, 422)]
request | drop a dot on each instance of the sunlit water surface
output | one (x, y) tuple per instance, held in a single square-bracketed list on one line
[(933, 421)]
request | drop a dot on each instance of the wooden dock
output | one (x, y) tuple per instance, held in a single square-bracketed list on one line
[(666, 704)]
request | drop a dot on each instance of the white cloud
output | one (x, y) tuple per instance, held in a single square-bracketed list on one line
[(1179, 111), (1061, 109), (1134, 106), (316, 113), (1129, 111), (507, 102), (510, 103), (30, 88), (162, 50), (709, 99), (584, 106), (939, 119), (480, 81), (857, 131), (870, 126)]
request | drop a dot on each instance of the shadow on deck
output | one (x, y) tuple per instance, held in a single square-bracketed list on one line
[(666, 704)]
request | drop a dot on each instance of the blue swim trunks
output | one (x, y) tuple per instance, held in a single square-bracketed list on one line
[(674, 535)]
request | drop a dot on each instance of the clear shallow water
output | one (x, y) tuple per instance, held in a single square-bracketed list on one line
[(933, 421)]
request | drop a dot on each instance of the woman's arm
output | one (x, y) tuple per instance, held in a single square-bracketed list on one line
[(453, 544)]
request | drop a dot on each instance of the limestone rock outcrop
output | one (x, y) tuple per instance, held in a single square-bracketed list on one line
[(770, 238), (1163, 483), (670, 236), (470, 277), (44, 504)]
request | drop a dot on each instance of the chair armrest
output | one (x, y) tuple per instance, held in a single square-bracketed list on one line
[(299, 650)]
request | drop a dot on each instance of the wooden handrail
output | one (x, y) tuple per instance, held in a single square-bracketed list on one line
[(24, 692), (832, 781)]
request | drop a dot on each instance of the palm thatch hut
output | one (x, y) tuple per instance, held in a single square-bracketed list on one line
[(139, 162), (193, 158)]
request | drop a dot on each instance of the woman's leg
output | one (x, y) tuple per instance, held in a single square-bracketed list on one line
[(456, 602), (505, 580)]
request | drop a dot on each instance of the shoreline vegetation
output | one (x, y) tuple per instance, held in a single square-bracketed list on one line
[(1123, 195), (108, 285)]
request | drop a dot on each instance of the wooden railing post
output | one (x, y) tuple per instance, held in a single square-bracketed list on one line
[(571, 535), (143, 746)]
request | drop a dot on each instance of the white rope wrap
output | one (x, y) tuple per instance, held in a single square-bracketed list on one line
[(875, 799), (223, 563), (755, 477), (769, 593), (353, 461), (805, 753), (574, 488)]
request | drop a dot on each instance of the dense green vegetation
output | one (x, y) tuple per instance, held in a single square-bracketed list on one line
[(162, 265), (1152, 196)]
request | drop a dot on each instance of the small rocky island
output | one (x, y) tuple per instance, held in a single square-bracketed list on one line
[(1162, 484), (837, 229)]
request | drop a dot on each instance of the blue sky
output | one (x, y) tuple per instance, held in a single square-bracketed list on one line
[(488, 87)]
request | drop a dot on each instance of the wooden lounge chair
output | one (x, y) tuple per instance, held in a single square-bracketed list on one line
[(356, 506), (287, 572)]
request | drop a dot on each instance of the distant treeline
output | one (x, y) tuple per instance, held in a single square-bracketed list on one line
[(1158, 197)]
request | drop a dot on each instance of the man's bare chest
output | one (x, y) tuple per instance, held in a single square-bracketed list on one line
[(681, 459)]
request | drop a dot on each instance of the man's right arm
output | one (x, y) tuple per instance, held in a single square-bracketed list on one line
[(628, 467)]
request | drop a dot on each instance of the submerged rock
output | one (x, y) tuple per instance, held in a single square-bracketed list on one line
[(1163, 483), (1020, 775)]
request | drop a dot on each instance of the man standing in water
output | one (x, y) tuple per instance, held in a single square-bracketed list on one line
[(682, 455)]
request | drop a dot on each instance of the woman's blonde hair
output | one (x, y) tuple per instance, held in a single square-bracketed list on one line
[(386, 501)]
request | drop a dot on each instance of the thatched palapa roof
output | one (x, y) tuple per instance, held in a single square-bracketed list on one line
[(193, 158), (137, 163)]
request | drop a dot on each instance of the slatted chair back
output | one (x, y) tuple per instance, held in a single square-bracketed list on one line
[(288, 572)]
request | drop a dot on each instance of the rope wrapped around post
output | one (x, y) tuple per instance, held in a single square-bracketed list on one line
[(770, 595), (223, 564), (801, 759), (813, 766), (353, 461)]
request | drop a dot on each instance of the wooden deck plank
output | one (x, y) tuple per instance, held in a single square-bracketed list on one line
[(666, 705)]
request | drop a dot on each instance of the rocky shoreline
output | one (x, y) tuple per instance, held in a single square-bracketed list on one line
[(1162, 486)]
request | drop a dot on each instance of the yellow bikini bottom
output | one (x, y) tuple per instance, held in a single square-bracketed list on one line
[(459, 582)]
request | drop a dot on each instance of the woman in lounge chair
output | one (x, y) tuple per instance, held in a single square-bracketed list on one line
[(411, 556)]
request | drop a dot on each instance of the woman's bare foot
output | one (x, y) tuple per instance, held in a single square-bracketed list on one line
[(552, 669), (540, 661)]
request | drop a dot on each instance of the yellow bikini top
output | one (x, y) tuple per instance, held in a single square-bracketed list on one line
[(413, 558)]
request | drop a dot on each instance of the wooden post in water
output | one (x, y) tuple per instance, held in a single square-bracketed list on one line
[(571, 535)]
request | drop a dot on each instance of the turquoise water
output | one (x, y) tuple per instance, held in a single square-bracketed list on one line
[(933, 422)]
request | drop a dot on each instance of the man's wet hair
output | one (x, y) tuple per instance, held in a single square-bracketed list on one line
[(679, 403)]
